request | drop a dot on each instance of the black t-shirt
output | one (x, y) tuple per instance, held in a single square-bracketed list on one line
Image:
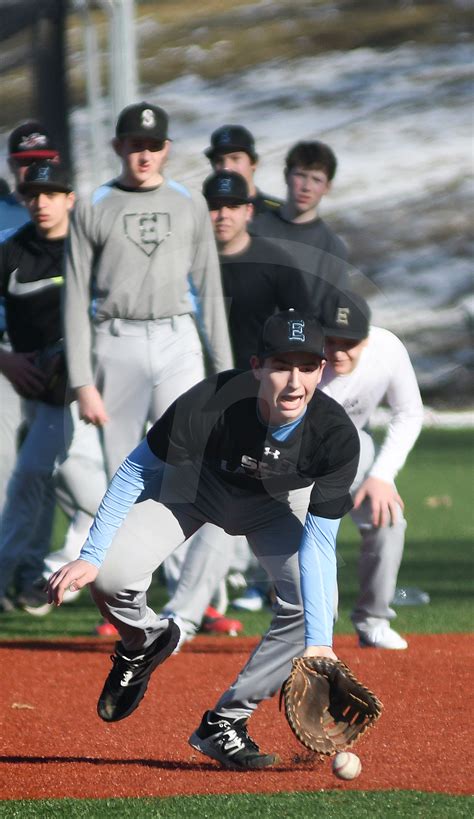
[(256, 283), (31, 281), (216, 424), (317, 252)]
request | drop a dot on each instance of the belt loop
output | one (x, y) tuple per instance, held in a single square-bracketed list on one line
[(174, 323), (115, 327)]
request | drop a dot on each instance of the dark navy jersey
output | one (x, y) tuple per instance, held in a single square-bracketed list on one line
[(317, 252), (31, 280), (216, 424), (256, 283)]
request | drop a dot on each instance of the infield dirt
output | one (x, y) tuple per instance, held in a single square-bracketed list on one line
[(54, 746)]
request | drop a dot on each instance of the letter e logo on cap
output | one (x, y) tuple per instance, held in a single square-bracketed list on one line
[(342, 316), (296, 331), (225, 185)]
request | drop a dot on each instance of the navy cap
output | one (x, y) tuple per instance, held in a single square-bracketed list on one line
[(291, 331), (347, 315), (47, 175), (226, 186), (142, 120), (230, 138), (30, 140)]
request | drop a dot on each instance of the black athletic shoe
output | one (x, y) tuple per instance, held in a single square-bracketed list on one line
[(228, 741), (127, 682)]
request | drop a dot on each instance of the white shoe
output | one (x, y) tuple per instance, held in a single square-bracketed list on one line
[(381, 636), (251, 600)]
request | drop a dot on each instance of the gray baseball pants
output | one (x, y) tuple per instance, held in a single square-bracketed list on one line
[(141, 367), (80, 484), (380, 554), (11, 418), (176, 505), (30, 494)]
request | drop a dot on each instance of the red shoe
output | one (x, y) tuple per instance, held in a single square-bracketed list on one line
[(215, 623), (106, 629)]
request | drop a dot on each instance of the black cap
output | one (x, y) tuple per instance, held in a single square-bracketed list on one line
[(30, 140), (226, 186), (142, 120), (50, 175), (231, 138), (346, 316), (291, 331)]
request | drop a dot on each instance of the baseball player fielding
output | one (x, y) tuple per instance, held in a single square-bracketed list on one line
[(346, 765)]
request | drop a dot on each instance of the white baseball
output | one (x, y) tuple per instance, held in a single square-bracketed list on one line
[(346, 765)]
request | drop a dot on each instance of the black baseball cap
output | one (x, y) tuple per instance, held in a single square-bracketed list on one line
[(291, 331), (226, 186), (142, 120), (229, 138), (30, 140), (46, 175), (346, 316)]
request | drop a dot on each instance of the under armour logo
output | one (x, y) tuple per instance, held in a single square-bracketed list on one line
[(342, 316), (148, 118), (273, 452), (225, 185), (296, 331)]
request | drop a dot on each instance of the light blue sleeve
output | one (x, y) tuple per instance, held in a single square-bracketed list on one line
[(318, 571), (125, 487)]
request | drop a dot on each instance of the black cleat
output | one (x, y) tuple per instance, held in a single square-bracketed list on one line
[(227, 741), (127, 682)]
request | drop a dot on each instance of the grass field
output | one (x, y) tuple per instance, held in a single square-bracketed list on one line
[(331, 805), (437, 488)]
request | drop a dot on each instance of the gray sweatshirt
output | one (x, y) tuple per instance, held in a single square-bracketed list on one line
[(136, 254)]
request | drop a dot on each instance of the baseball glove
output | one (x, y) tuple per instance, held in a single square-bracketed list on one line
[(327, 708)]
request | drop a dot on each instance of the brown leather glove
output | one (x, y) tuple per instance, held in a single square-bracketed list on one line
[(327, 708)]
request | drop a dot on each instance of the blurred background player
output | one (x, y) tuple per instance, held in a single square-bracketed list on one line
[(258, 279), (365, 367), (134, 246), (31, 281), (297, 227), (232, 148), (137, 249), (29, 142)]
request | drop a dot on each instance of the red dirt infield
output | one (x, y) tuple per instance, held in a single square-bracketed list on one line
[(53, 745)]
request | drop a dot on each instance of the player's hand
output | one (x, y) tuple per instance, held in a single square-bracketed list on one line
[(384, 501), (72, 576), (319, 651), (22, 372), (91, 406)]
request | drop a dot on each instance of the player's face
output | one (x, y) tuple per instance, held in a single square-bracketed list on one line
[(49, 211), (238, 161), (142, 160), (305, 189), (343, 354), (229, 222), (287, 384)]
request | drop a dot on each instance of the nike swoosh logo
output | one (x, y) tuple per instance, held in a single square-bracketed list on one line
[(16, 288)]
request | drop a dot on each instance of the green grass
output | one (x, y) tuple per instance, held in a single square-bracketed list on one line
[(331, 805), (438, 554)]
